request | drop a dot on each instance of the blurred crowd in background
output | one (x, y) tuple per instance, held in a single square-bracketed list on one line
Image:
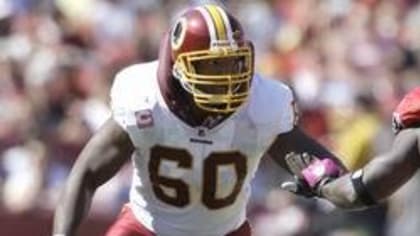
[(349, 63)]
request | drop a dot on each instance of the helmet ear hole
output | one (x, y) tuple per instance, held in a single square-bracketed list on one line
[(178, 34)]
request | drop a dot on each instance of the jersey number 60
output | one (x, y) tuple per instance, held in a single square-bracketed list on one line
[(184, 159)]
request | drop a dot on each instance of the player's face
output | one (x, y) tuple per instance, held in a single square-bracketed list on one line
[(220, 66)]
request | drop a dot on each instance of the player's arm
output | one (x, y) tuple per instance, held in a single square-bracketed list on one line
[(295, 151), (99, 160), (380, 177), (297, 141)]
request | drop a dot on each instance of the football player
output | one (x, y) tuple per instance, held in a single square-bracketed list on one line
[(382, 176), (196, 124)]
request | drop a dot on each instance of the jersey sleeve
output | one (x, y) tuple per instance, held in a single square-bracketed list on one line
[(289, 114), (119, 111)]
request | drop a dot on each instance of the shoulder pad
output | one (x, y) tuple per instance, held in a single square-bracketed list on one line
[(272, 103), (133, 89)]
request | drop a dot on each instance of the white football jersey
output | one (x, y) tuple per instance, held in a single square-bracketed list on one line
[(193, 180)]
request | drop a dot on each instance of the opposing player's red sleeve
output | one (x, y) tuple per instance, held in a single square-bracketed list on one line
[(407, 113)]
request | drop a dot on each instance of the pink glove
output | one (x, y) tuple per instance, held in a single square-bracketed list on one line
[(319, 170), (310, 173)]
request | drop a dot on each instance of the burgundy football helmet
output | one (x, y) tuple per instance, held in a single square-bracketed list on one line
[(212, 59)]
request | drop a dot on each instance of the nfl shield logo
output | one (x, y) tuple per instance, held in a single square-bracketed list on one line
[(144, 118)]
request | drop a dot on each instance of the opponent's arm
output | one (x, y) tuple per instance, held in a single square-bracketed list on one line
[(100, 159), (380, 177)]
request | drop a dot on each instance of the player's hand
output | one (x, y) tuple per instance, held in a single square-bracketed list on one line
[(310, 174)]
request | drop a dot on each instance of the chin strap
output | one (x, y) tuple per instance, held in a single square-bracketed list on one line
[(362, 192)]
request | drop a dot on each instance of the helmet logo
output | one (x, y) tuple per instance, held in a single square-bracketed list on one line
[(178, 33)]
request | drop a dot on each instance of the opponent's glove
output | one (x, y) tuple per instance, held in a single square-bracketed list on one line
[(310, 174), (407, 113)]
